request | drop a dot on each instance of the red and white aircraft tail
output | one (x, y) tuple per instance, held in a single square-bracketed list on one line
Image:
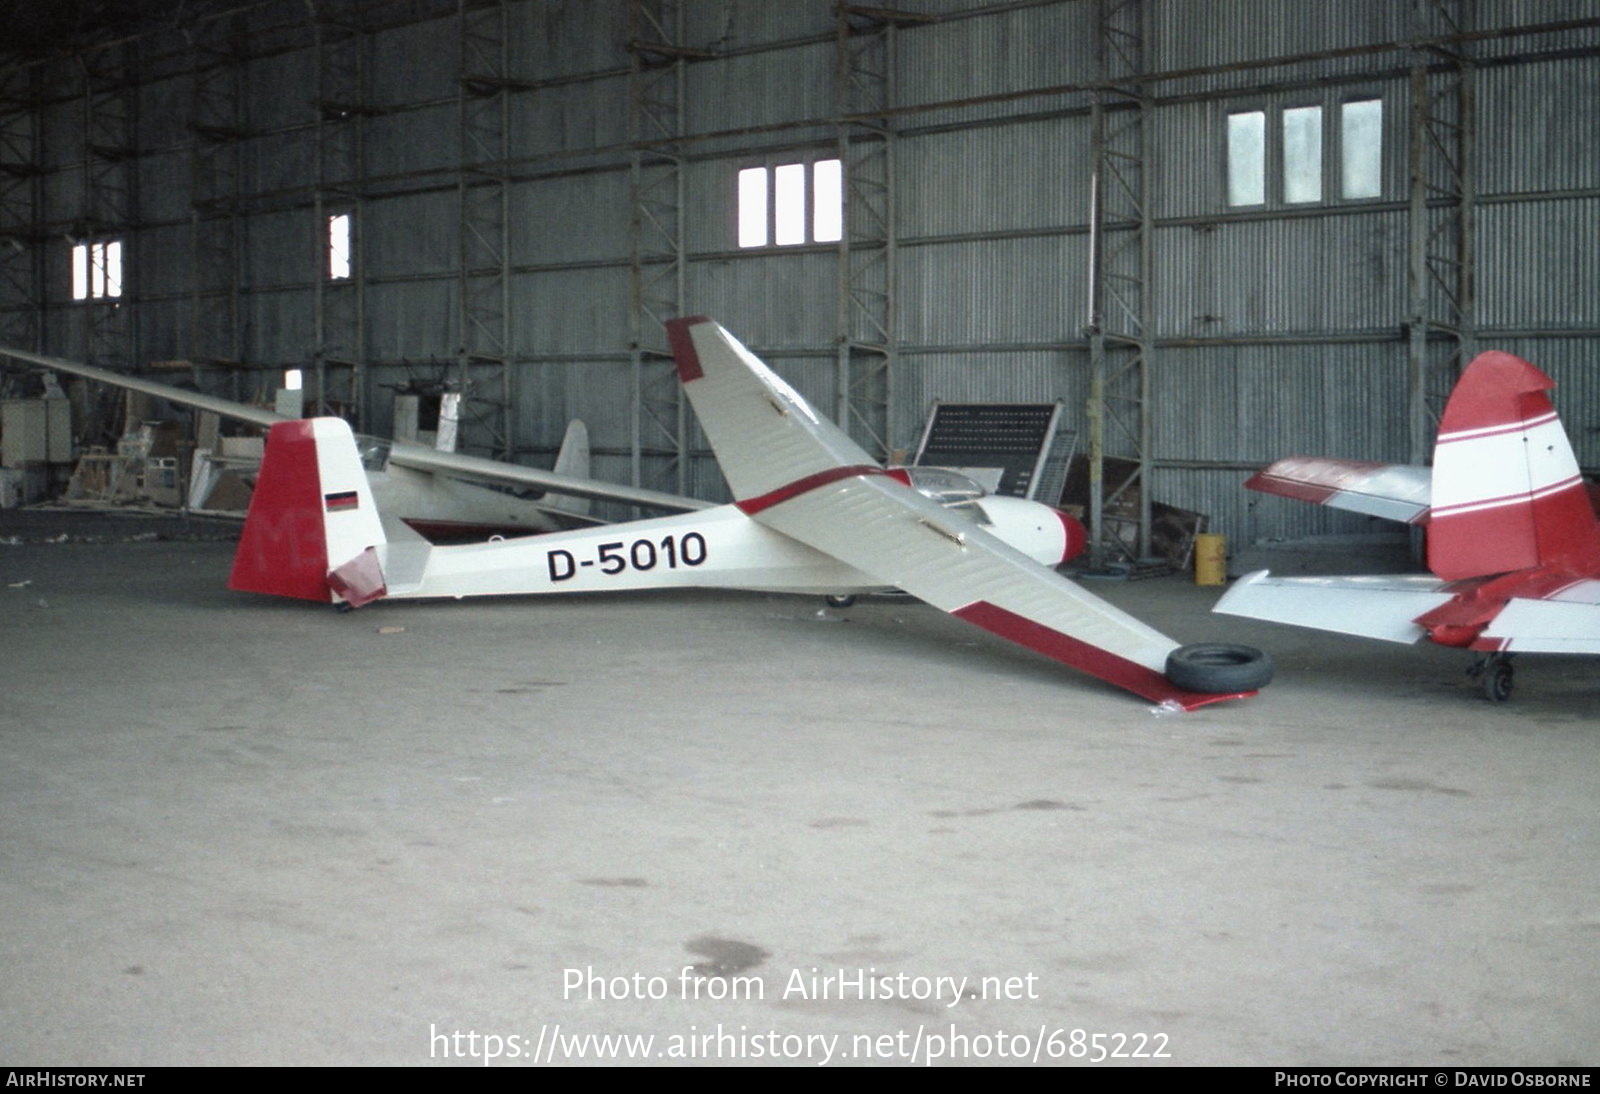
[(1513, 540), (312, 531), (1507, 494)]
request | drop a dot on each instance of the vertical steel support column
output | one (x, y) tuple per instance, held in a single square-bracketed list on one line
[(109, 195), (486, 376), (1441, 315), (216, 128), (22, 236), (864, 93), (657, 86), (1120, 230), (340, 306)]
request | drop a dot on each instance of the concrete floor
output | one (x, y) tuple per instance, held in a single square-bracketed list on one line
[(235, 830)]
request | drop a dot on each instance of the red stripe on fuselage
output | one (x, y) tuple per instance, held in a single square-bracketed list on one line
[(1081, 655), (752, 506)]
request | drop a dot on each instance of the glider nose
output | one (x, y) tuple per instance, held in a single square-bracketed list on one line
[(1075, 536)]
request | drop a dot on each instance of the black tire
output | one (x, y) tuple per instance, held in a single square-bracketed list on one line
[(1497, 681), (1216, 668), (840, 601)]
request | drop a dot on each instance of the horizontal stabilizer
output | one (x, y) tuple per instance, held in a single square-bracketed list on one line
[(1545, 626), (1384, 608), (1391, 491)]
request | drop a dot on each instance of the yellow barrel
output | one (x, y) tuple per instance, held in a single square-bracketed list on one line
[(1210, 559)]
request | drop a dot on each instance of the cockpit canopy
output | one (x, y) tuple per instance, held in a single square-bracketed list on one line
[(949, 488)]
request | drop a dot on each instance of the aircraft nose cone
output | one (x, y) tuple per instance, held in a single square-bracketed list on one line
[(1075, 539)]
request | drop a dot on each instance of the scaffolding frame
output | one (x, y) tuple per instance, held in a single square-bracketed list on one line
[(109, 210), (338, 357), (21, 205), (1441, 336), (659, 57), (1121, 347), (865, 97), (485, 375), (216, 132)]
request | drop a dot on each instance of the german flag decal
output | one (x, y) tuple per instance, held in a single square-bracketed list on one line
[(338, 503)]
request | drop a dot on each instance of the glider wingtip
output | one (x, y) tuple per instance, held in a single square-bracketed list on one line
[(684, 354), (1193, 701)]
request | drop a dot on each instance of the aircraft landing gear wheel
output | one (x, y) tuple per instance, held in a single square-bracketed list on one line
[(839, 601), (1218, 668), (1497, 678)]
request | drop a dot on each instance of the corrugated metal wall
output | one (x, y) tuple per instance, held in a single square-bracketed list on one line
[(1278, 328)]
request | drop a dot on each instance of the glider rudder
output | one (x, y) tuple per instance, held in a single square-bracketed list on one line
[(312, 530)]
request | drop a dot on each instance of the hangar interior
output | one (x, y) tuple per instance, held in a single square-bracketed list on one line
[(1216, 231)]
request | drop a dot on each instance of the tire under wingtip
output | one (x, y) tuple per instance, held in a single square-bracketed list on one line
[(1219, 667)]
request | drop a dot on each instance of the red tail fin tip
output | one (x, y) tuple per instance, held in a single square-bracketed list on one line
[(1507, 494)]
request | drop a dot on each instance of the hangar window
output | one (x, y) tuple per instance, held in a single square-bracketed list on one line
[(1302, 154), (339, 247), (1361, 148), (97, 270), (1247, 158), (1286, 159), (791, 204)]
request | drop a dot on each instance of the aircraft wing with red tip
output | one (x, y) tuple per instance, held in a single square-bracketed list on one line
[(799, 474)]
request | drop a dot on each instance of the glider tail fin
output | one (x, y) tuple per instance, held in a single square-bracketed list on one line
[(1507, 494), (312, 531), (573, 461)]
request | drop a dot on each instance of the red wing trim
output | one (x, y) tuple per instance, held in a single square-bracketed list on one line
[(1081, 655), (752, 506), (1312, 479), (683, 351)]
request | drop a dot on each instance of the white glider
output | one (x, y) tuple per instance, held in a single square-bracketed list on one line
[(813, 513)]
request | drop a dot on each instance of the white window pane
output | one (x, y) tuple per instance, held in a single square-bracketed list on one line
[(111, 254), (1247, 158), (827, 191), (1302, 154), (80, 271), (293, 378), (97, 270), (789, 204), (753, 207), (1361, 141), (339, 246)]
